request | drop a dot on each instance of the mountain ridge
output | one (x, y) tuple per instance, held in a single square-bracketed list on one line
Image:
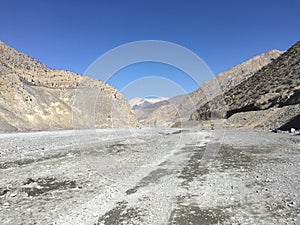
[(273, 89), (139, 103), (180, 109), (35, 97)]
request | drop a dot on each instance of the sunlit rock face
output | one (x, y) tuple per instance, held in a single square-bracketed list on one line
[(35, 97)]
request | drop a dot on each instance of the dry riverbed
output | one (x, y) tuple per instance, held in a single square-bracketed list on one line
[(149, 176)]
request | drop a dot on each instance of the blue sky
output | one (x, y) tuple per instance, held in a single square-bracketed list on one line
[(72, 34)]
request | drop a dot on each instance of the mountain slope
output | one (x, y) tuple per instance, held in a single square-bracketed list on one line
[(180, 108), (273, 89), (35, 97)]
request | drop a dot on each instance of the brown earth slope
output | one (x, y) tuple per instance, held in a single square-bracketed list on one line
[(35, 97), (268, 99)]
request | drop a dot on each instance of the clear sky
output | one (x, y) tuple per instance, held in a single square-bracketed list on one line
[(72, 34)]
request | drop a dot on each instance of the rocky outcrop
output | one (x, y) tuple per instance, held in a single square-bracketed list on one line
[(35, 97), (273, 90), (180, 108)]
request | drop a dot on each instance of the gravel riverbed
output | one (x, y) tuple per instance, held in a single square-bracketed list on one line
[(149, 176)]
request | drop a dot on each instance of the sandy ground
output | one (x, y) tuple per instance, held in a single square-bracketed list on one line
[(149, 176)]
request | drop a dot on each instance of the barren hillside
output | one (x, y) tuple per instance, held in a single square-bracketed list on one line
[(180, 108), (35, 97), (271, 96)]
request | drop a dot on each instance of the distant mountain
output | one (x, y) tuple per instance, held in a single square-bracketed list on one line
[(140, 103), (268, 99), (180, 108), (35, 97), (145, 115)]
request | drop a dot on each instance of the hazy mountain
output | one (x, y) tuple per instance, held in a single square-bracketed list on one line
[(181, 107), (268, 99), (35, 97), (140, 103)]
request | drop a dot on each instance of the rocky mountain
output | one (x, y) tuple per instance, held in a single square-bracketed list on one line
[(179, 109), (140, 103), (160, 113), (35, 97), (268, 99)]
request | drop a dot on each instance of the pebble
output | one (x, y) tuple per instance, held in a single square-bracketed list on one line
[(291, 204), (13, 194), (6, 205)]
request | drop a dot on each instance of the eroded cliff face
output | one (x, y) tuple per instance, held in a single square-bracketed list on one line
[(181, 107), (35, 97), (271, 95)]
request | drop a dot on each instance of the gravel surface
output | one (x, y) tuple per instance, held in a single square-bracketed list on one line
[(149, 176)]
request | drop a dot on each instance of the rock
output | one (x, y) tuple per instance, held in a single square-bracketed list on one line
[(275, 130), (3, 191), (14, 194), (291, 204)]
